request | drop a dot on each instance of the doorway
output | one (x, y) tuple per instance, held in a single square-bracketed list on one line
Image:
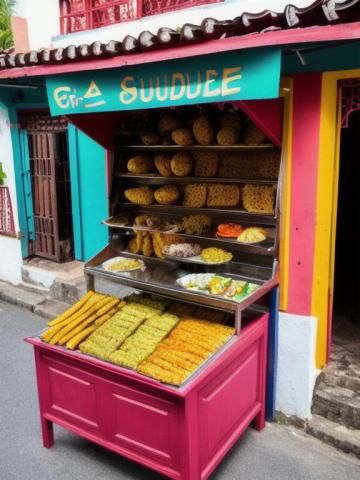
[(50, 186), (346, 312)]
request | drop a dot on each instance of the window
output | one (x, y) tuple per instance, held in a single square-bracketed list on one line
[(77, 15)]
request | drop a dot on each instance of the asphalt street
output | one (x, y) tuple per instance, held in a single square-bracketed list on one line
[(278, 453)]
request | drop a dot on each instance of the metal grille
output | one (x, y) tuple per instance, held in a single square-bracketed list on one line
[(43, 173), (7, 225)]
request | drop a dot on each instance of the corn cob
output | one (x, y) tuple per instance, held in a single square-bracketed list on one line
[(71, 310), (78, 319), (74, 342)]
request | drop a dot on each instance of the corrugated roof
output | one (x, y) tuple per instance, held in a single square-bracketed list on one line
[(319, 13)]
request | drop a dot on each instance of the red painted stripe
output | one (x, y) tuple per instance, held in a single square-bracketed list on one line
[(305, 150), (277, 38)]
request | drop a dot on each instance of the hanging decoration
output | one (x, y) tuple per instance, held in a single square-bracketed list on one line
[(7, 224)]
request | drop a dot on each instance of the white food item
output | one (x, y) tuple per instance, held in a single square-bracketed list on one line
[(198, 281), (182, 250)]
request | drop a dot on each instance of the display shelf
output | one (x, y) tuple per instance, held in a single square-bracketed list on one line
[(154, 179), (217, 148), (223, 212), (267, 247), (160, 278)]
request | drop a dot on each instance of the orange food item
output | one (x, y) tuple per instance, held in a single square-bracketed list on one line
[(229, 230)]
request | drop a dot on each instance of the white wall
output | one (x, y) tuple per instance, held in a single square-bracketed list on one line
[(10, 248), (44, 27), (296, 370)]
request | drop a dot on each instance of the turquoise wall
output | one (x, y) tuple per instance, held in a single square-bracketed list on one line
[(88, 194)]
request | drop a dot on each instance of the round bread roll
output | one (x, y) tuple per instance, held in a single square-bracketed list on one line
[(162, 163), (183, 137), (181, 164), (227, 136), (167, 195), (168, 121), (140, 195), (140, 164), (203, 131)]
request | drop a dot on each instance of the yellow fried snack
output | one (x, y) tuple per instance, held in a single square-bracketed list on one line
[(252, 235), (196, 224), (240, 165), (220, 195), (140, 195), (206, 164), (230, 119), (167, 194), (147, 221), (227, 136), (181, 164), (162, 240), (147, 245), (168, 121), (215, 255), (182, 136), (195, 195), (269, 165), (74, 342), (162, 163), (140, 164), (71, 310), (133, 246), (203, 131), (258, 198)]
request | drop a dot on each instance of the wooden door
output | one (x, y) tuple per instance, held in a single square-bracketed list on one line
[(42, 152)]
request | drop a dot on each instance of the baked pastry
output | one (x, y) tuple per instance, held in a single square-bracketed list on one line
[(203, 131), (269, 165), (252, 235), (182, 136), (206, 164), (140, 164), (147, 245), (162, 163), (220, 195), (140, 195), (230, 119), (167, 195), (253, 135), (181, 164), (147, 221), (182, 250), (168, 121), (195, 195), (258, 198), (150, 138), (196, 224), (227, 136)]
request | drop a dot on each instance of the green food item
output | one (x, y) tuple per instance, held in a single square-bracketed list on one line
[(218, 285)]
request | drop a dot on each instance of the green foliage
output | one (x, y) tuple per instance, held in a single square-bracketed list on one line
[(6, 38), (2, 174)]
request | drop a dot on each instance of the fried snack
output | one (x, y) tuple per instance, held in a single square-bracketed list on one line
[(140, 164), (216, 255), (150, 138), (138, 240), (71, 310), (203, 313), (133, 246), (230, 119), (195, 195), (239, 165), (203, 131), (227, 136), (220, 195), (162, 163), (196, 224), (148, 301), (206, 164), (147, 245), (168, 121), (167, 195), (182, 136), (183, 250), (269, 165), (74, 342), (162, 240), (253, 235), (258, 198), (144, 341), (181, 164), (140, 195), (147, 221), (253, 135), (190, 343)]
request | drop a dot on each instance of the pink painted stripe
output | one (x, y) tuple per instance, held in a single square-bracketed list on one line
[(305, 148)]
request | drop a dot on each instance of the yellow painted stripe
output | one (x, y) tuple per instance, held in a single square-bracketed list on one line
[(284, 232), (325, 214)]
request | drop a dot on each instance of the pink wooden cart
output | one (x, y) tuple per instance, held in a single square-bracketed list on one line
[(183, 432)]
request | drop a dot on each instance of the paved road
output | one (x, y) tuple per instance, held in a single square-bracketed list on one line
[(279, 453)]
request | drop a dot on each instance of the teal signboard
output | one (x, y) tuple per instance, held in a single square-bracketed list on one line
[(246, 75)]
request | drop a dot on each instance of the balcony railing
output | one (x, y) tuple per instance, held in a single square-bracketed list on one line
[(78, 15)]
